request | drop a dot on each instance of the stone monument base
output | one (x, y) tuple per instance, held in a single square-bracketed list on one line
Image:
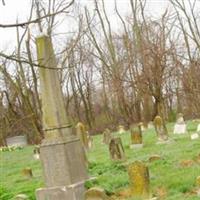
[(71, 192), (136, 146)]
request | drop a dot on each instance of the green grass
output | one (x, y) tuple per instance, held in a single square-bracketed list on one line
[(112, 176)]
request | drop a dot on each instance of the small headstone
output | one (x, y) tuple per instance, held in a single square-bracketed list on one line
[(83, 135), (139, 180), (21, 197), (121, 129), (36, 153), (161, 131), (17, 141), (198, 181), (186, 163), (198, 128), (116, 149), (150, 125), (107, 136), (194, 136), (142, 127), (136, 137), (27, 172), (180, 126), (154, 158), (95, 193)]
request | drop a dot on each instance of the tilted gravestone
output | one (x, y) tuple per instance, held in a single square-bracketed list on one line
[(61, 152), (107, 136), (116, 149), (180, 126), (139, 180), (161, 130), (136, 137)]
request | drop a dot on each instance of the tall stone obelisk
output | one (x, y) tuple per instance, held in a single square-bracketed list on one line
[(61, 152)]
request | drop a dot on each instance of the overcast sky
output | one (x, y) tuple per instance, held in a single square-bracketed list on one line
[(19, 9)]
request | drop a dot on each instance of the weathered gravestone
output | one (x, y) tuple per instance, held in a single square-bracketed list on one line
[(21, 197), (180, 126), (107, 136), (116, 149), (83, 135), (198, 128), (96, 193), (36, 153), (161, 130), (15, 141), (139, 180), (198, 185), (142, 126), (27, 172), (121, 129), (61, 152), (136, 136)]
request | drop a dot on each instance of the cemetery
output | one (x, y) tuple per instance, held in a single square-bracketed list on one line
[(86, 117)]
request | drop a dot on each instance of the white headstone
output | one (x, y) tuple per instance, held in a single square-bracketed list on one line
[(198, 128), (180, 128), (194, 136), (17, 141)]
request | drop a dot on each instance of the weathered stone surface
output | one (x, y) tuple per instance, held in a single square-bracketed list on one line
[(17, 141), (96, 193), (136, 136), (187, 163), (73, 192), (194, 136), (116, 149), (198, 128), (21, 197), (107, 136), (61, 152), (180, 126), (139, 180), (121, 129), (160, 128), (63, 163), (83, 135), (27, 172), (154, 158)]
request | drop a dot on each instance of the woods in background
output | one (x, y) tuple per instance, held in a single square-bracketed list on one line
[(110, 76)]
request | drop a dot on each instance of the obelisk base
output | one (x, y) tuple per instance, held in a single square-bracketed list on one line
[(72, 192)]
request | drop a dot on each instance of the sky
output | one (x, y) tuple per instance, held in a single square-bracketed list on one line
[(19, 10)]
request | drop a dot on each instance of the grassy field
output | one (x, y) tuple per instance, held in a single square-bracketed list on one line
[(175, 180)]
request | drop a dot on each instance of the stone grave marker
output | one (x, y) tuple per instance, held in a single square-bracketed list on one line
[(161, 130), (194, 136), (116, 149), (136, 137), (17, 141), (198, 185), (21, 197), (84, 136), (139, 180), (36, 153), (107, 136), (96, 193), (27, 172), (180, 126), (61, 152), (121, 129), (198, 128), (150, 125)]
